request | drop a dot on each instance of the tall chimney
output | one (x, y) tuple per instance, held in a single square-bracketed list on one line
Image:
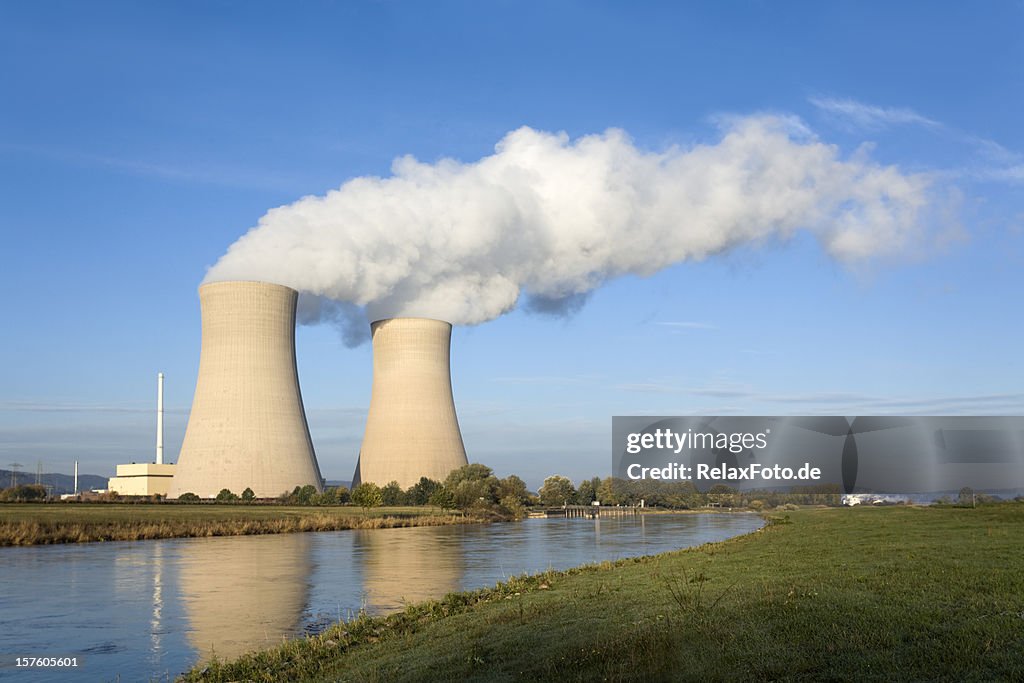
[(412, 430), (76, 477), (159, 418), (247, 428)]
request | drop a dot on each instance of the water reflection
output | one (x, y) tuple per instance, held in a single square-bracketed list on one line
[(244, 593), (152, 609), (402, 566), (138, 578)]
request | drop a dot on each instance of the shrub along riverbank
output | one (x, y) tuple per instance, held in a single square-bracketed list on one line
[(895, 593), (37, 524)]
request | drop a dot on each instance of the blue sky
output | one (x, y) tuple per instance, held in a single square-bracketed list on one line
[(139, 140)]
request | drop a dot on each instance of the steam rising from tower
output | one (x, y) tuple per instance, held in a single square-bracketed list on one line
[(247, 428), (411, 430), (545, 220)]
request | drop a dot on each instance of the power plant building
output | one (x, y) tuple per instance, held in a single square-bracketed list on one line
[(247, 428), (144, 478), (411, 430)]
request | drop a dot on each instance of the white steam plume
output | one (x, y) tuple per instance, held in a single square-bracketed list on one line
[(551, 219)]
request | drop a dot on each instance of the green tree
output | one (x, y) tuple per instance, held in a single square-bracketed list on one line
[(586, 493), (392, 494), (472, 486), (512, 487), (442, 498), (188, 497), (306, 494), (420, 492), (513, 506), (556, 491), (607, 493), (225, 496), (248, 494), (722, 494), (328, 497), (471, 493), (471, 472), (367, 495), (23, 492), (342, 494)]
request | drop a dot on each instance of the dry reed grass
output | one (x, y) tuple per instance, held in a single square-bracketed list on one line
[(33, 532)]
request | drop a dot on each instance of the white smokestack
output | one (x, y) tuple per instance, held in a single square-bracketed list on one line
[(159, 418), (76, 477), (552, 218)]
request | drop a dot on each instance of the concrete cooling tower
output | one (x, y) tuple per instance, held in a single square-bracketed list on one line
[(411, 429), (248, 427)]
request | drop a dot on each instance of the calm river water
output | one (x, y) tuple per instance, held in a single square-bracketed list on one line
[(149, 610)]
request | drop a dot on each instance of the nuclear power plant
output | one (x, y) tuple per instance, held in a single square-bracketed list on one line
[(248, 427), (411, 429)]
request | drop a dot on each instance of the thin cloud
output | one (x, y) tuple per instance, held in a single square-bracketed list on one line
[(650, 388), (210, 174), (841, 402), (662, 388), (38, 407), (870, 116), (686, 325), (1012, 174), (542, 379), (992, 161), (993, 151)]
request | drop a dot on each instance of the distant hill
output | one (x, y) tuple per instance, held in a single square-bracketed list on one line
[(338, 482), (61, 483)]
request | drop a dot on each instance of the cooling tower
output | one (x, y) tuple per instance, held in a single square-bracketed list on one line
[(247, 428), (411, 429)]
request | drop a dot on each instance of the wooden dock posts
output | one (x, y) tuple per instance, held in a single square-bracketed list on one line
[(597, 511)]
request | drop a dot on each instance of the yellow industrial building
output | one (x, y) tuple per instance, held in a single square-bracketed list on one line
[(142, 479)]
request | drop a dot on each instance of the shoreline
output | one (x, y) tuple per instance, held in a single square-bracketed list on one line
[(814, 594), (368, 629), (99, 523), (33, 524)]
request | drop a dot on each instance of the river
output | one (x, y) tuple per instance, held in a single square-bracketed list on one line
[(149, 610)]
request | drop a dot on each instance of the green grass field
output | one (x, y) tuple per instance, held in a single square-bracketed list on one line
[(882, 594), (31, 524)]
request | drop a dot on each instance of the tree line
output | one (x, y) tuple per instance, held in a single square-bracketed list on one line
[(475, 488), (678, 495), (472, 487)]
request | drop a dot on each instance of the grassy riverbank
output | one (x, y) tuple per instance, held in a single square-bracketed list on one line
[(826, 594), (36, 524)]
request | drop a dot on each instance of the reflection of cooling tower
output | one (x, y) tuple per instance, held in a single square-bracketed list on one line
[(404, 566), (247, 428), (244, 593), (411, 429)]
